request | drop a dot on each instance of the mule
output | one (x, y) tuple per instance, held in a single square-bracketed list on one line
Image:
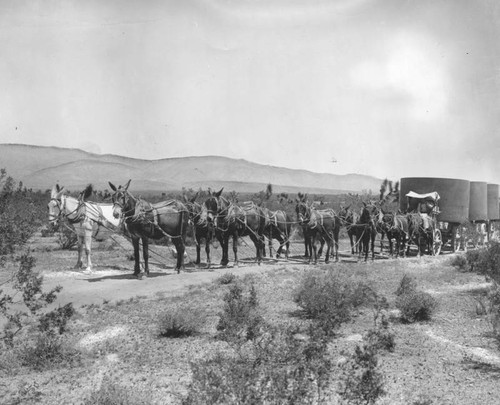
[(234, 221), (396, 228), (279, 226), (88, 218), (302, 199), (202, 230), (156, 221), (349, 218), (366, 231), (319, 224), (420, 232)]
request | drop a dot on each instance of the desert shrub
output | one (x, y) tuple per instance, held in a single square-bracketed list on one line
[(278, 368), (491, 306), (21, 213), (67, 236), (34, 334), (407, 285), (361, 381), (416, 306), (330, 299), (240, 318), (45, 350), (486, 261), (180, 322), (226, 278), (381, 337), (460, 262), (113, 393)]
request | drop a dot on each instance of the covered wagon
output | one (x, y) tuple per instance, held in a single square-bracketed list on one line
[(452, 207)]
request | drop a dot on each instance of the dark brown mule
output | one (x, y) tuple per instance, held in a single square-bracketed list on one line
[(237, 221), (395, 227), (349, 218), (366, 230), (319, 224), (420, 232), (202, 229), (156, 221), (302, 199), (279, 226)]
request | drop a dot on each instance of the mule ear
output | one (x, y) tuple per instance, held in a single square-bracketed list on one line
[(87, 192), (126, 185), (218, 193), (61, 191), (112, 186), (193, 199), (364, 204)]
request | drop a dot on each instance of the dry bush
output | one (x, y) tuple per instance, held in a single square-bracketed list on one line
[(43, 351), (226, 278), (362, 383), (416, 306), (381, 337), (459, 261), (278, 368), (180, 322), (240, 319), (330, 298), (407, 285), (113, 393)]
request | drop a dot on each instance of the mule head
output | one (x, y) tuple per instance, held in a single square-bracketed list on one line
[(85, 194), (210, 208), (121, 200), (303, 211), (55, 204)]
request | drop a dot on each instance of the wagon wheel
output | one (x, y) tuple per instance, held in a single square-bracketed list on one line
[(437, 242)]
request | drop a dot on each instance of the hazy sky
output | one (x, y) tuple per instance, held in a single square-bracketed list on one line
[(390, 88)]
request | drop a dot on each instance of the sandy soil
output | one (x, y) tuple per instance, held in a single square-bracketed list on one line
[(452, 359)]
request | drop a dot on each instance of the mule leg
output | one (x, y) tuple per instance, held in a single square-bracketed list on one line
[(281, 242), (314, 250), (207, 251), (198, 249), (79, 263), (145, 254), (307, 245), (88, 247), (137, 265), (373, 237), (336, 244), (235, 248), (224, 242), (329, 248), (270, 245), (258, 247), (179, 245)]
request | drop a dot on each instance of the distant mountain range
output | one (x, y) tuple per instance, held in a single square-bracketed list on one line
[(40, 167)]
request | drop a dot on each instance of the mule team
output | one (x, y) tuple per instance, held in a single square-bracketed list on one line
[(219, 218)]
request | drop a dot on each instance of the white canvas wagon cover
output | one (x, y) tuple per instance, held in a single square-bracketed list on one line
[(432, 196)]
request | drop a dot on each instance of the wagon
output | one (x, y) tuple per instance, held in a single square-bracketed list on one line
[(452, 207), (427, 206)]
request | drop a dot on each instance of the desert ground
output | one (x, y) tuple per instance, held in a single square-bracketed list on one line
[(450, 359)]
